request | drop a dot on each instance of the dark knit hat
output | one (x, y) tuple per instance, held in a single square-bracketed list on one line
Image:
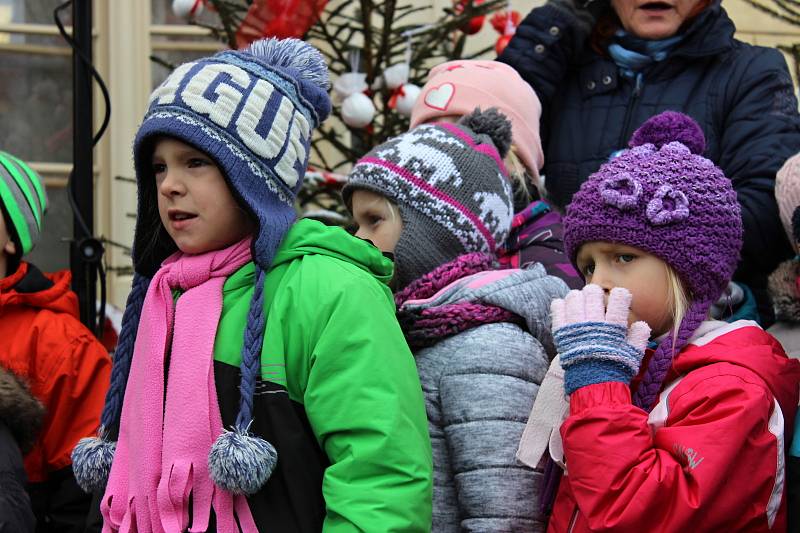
[(450, 184), (253, 112), (662, 196), (24, 201)]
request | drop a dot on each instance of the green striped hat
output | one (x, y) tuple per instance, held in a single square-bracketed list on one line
[(23, 197)]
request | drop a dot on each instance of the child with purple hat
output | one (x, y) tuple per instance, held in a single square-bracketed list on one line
[(686, 431)]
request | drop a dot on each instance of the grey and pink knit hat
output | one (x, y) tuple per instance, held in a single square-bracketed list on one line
[(450, 185), (662, 196)]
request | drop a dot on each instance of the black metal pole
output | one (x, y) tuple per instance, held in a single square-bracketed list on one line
[(84, 276)]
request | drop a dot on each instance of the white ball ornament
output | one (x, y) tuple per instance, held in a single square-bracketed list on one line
[(396, 75), (349, 83), (357, 110), (187, 8), (405, 102)]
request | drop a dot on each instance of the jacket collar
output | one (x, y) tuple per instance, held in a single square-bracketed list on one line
[(708, 35)]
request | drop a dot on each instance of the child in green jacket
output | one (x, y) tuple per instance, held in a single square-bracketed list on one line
[(269, 387)]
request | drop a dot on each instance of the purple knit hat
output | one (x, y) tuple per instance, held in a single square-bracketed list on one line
[(663, 197)]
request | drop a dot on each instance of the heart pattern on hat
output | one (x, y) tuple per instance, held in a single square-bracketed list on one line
[(668, 205), (441, 96)]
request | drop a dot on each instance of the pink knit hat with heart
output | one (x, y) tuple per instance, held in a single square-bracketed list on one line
[(787, 193), (456, 88)]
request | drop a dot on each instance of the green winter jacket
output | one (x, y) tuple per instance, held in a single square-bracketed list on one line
[(340, 397)]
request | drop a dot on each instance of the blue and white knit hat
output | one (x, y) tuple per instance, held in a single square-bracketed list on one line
[(253, 112)]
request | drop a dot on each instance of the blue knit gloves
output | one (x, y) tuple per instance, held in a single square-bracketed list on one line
[(593, 340)]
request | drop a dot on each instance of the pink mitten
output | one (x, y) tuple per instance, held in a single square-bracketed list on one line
[(593, 340)]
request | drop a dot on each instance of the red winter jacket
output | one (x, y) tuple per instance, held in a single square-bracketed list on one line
[(709, 457), (67, 369)]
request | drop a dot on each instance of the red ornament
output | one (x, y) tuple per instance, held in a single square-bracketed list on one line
[(278, 18), (475, 24), (501, 44), (503, 20)]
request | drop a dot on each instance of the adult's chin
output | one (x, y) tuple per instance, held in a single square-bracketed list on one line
[(655, 30)]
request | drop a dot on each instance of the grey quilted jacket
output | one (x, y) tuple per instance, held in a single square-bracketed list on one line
[(479, 388)]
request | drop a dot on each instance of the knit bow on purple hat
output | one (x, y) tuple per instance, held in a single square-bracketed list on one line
[(662, 196)]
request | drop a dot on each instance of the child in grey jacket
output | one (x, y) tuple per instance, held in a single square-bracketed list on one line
[(438, 198)]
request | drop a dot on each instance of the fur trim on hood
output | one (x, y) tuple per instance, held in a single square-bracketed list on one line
[(20, 411), (784, 291)]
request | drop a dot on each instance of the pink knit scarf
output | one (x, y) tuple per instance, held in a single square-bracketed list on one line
[(161, 461), (427, 326)]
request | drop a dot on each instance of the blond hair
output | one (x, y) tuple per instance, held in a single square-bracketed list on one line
[(522, 178), (678, 301), (393, 207)]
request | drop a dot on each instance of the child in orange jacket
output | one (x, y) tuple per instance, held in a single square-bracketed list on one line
[(44, 344)]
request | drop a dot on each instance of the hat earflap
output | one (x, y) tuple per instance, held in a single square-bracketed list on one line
[(92, 456), (661, 362), (239, 461)]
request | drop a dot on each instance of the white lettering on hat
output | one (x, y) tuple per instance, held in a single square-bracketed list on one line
[(220, 110), (295, 150), (289, 127), (270, 146), (165, 93)]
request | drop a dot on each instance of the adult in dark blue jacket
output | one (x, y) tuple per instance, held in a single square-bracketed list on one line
[(602, 69)]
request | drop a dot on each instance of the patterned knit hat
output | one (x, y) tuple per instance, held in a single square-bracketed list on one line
[(663, 197), (450, 185), (253, 112), (23, 200)]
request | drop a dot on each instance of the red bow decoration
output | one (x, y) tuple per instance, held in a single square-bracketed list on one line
[(505, 23), (278, 18), (396, 94)]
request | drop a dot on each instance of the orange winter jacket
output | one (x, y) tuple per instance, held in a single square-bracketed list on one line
[(67, 369)]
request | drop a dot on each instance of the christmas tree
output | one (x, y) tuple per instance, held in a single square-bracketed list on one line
[(378, 55)]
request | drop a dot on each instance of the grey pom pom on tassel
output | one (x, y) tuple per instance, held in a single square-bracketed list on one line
[(241, 463), (295, 54), (91, 462), (493, 124)]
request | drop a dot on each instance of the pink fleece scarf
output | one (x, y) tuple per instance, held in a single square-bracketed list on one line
[(164, 441)]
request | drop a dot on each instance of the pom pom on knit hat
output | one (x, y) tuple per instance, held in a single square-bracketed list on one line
[(493, 124), (295, 56), (667, 127)]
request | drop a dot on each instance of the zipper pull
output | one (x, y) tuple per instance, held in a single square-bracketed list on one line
[(637, 88)]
